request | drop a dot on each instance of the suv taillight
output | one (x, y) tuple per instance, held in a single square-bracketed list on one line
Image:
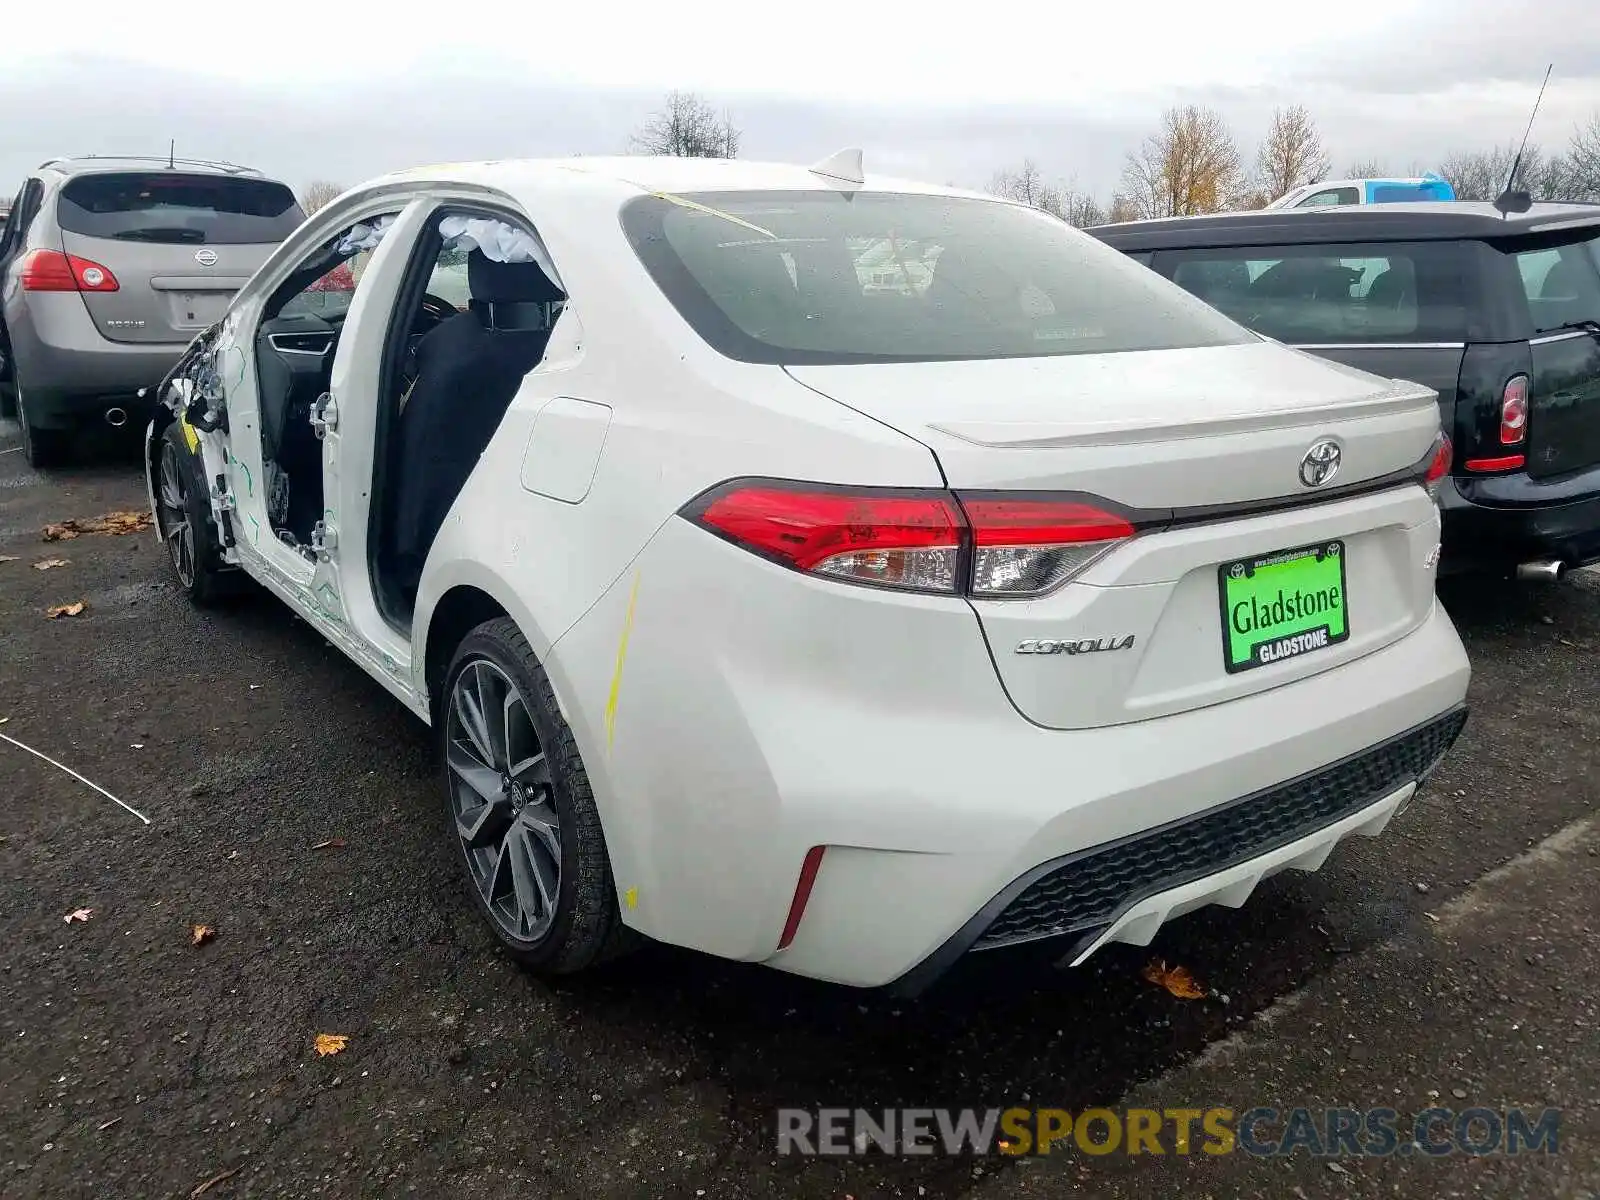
[(1514, 411), (53, 271), (982, 544), (1438, 463)]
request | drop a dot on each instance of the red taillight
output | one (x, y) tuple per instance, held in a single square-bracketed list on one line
[(1439, 464), (1022, 547), (893, 539), (53, 271), (987, 544), (1514, 412)]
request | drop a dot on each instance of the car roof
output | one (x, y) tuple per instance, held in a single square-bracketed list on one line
[(655, 173), (1415, 221), (84, 164)]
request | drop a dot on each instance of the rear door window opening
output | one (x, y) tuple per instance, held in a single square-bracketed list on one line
[(473, 317)]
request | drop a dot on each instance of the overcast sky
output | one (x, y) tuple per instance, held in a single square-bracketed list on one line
[(950, 93)]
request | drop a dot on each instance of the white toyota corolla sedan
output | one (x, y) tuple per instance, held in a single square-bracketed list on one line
[(830, 572)]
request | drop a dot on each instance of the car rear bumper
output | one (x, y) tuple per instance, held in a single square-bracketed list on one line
[(1497, 521), (68, 369), (752, 725)]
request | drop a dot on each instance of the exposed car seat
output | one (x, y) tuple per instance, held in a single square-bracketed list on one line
[(468, 371)]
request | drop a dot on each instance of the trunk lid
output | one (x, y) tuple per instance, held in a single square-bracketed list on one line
[(1562, 285), (179, 245), (1206, 446)]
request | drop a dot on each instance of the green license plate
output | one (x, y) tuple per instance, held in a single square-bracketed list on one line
[(1282, 605)]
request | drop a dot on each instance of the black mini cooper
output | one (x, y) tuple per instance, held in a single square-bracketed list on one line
[(1500, 314)]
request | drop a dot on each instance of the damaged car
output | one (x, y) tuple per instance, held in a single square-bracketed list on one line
[(817, 570)]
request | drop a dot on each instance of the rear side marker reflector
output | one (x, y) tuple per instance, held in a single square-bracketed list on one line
[(937, 542), (1508, 462), (802, 895)]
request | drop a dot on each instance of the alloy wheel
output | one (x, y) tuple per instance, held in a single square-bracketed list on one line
[(503, 801), (176, 527)]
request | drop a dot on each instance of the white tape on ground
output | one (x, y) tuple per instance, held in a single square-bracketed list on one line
[(75, 775)]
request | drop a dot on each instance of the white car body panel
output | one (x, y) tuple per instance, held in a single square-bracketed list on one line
[(732, 714)]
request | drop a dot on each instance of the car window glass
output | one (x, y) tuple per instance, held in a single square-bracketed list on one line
[(176, 208), (1348, 195), (345, 256), (1317, 294), (824, 277), (1561, 283)]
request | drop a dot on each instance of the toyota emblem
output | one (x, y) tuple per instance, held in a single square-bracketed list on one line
[(1320, 463), (206, 258)]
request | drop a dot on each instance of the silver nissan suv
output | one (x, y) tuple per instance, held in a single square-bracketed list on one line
[(108, 268)]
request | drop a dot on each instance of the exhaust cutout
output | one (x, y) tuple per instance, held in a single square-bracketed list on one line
[(116, 418)]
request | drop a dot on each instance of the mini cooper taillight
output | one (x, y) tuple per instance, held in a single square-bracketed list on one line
[(1514, 412), (981, 544)]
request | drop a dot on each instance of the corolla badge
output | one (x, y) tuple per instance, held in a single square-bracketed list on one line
[(1320, 463), (1079, 646), (206, 257)]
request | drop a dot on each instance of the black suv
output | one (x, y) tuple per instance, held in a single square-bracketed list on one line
[(1500, 314)]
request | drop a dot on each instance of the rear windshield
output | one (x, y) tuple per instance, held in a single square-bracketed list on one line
[(1383, 292), (165, 206), (824, 277), (1562, 284)]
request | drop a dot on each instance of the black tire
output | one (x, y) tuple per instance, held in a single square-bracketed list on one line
[(584, 926), (8, 395), (184, 492), (42, 448)]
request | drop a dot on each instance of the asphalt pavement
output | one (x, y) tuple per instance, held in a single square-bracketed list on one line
[(294, 810)]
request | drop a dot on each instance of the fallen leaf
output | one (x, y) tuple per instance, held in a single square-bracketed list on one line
[(79, 914), (3, 720), (1176, 980), (202, 1188), (114, 523), (46, 564), (66, 610), (331, 843), (8, 558), (330, 1043), (108, 1124), (201, 935)]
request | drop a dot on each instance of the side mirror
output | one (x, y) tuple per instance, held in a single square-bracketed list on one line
[(1509, 202)]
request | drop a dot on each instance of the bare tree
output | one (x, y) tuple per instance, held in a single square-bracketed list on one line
[(1580, 166), (1190, 166), (688, 127), (1367, 168), (318, 194), (1483, 175), (1123, 208), (1291, 155), (1026, 185)]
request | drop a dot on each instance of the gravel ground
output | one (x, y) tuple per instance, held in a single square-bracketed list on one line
[(134, 1064)]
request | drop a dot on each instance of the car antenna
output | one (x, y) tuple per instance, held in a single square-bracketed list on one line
[(1508, 201), (172, 153)]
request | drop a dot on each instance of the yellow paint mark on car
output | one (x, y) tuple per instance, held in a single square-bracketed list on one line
[(616, 675), (631, 897)]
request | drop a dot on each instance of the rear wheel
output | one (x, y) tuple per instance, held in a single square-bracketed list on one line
[(184, 518), (8, 396), (520, 810), (41, 447)]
